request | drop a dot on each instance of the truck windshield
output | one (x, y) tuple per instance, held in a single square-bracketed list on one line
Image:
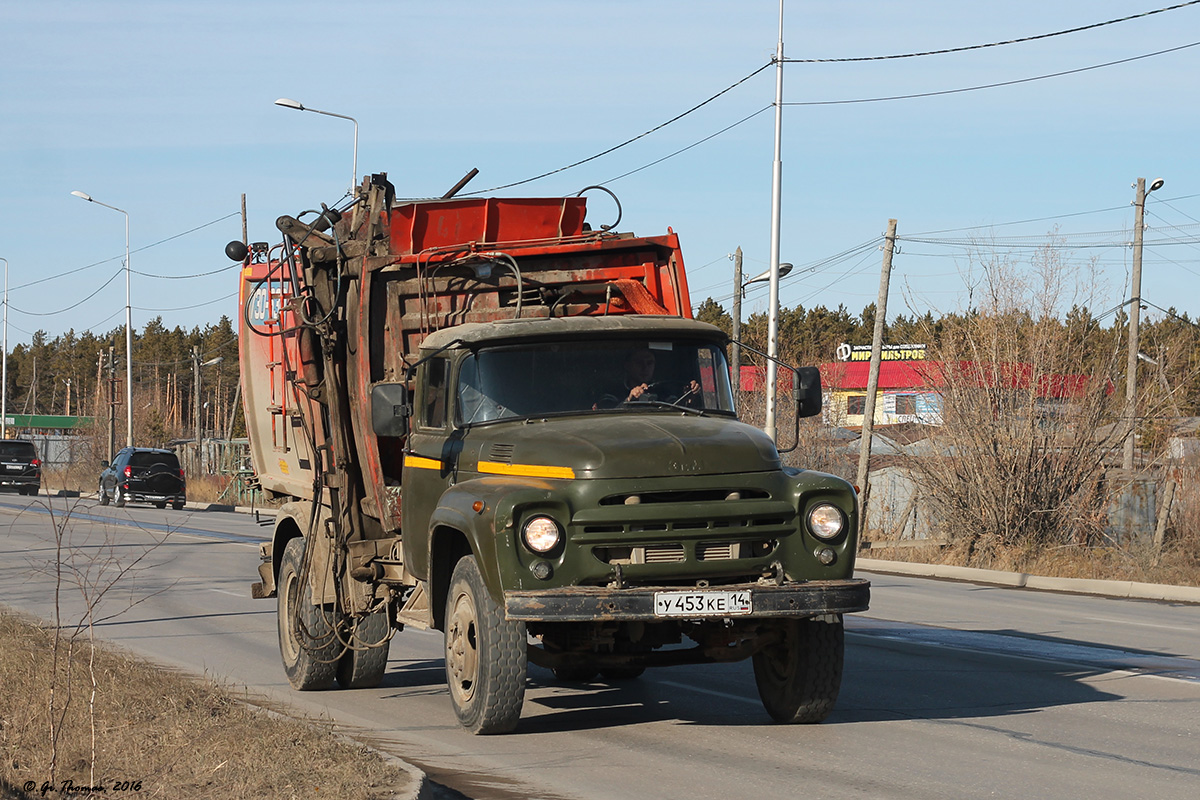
[(541, 378)]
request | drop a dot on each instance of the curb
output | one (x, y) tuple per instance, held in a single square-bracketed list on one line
[(1021, 580)]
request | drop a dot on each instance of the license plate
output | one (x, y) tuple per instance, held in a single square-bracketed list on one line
[(701, 604), (13, 466)]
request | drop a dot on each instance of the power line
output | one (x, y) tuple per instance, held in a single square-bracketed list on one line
[(690, 146), (70, 307), (988, 85), (189, 308), (992, 44), (1024, 221), (138, 250), (627, 141), (237, 265)]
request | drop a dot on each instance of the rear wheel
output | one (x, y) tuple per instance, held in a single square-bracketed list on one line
[(177, 505), (799, 677), (308, 643), (485, 655), (119, 502), (162, 504), (365, 660)]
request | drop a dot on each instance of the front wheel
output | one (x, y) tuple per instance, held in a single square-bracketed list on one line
[(103, 497), (308, 642), (485, 655), (799, 677)]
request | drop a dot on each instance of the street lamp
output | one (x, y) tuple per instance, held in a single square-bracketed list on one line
[(196, 365), (1135, 307), (4, 369), (298, 106), (784, 269), (739, 292), (128, 326)]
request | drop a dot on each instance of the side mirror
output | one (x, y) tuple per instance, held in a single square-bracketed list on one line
[(103, 464), (806, 391), (390, 409)]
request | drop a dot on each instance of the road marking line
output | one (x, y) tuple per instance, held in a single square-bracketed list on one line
[(1138, 624)]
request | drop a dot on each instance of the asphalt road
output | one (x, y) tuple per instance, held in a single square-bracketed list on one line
[(951, 690)]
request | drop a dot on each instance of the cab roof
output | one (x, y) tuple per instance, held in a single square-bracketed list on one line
[(633, 326)]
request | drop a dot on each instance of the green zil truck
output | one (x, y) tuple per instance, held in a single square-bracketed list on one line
[(488, 418)]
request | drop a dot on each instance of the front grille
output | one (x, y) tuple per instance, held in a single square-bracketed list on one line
[(663, 553), (716, 533), (685, 496), (677, 553), (724, 551)]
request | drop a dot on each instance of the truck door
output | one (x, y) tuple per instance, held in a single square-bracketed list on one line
[(430, 461)]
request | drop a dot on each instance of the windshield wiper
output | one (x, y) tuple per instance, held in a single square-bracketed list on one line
[(663, 404)]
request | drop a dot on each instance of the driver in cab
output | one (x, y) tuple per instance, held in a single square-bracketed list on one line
[(639, 383)]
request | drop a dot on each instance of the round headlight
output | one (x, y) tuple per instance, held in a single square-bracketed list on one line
[(541, 534), (826, 521)]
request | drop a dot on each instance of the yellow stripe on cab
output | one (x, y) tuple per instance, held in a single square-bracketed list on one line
[(526, 470)]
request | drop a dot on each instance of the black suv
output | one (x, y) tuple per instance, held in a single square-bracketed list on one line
[(143, 474), (20, 467)]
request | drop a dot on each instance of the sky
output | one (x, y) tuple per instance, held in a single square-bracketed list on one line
[(166, 111)]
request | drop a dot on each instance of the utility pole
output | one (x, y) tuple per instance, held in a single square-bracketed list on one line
[(196, 394), (864, 453), (776, 205), (112, 403), (1135, 308), (736, 349)]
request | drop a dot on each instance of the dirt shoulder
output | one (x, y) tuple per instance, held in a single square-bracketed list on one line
[(74, 716)]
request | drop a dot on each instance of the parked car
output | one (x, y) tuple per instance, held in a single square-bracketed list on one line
[(20, 467), (143, 474)]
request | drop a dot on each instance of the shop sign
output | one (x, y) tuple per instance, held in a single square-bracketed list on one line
[(890, 352)]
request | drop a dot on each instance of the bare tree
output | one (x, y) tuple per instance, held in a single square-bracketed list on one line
[(1018, 464)]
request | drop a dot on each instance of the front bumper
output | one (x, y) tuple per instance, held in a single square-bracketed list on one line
[(588, 604)]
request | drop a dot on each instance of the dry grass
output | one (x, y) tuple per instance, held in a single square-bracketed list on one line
[(178, 736), (202, 489), (1177, 566)]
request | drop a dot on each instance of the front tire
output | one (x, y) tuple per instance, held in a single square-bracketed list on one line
[(365, 660), (308, 643), (799, 677), (485, 655), (103, 497)]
